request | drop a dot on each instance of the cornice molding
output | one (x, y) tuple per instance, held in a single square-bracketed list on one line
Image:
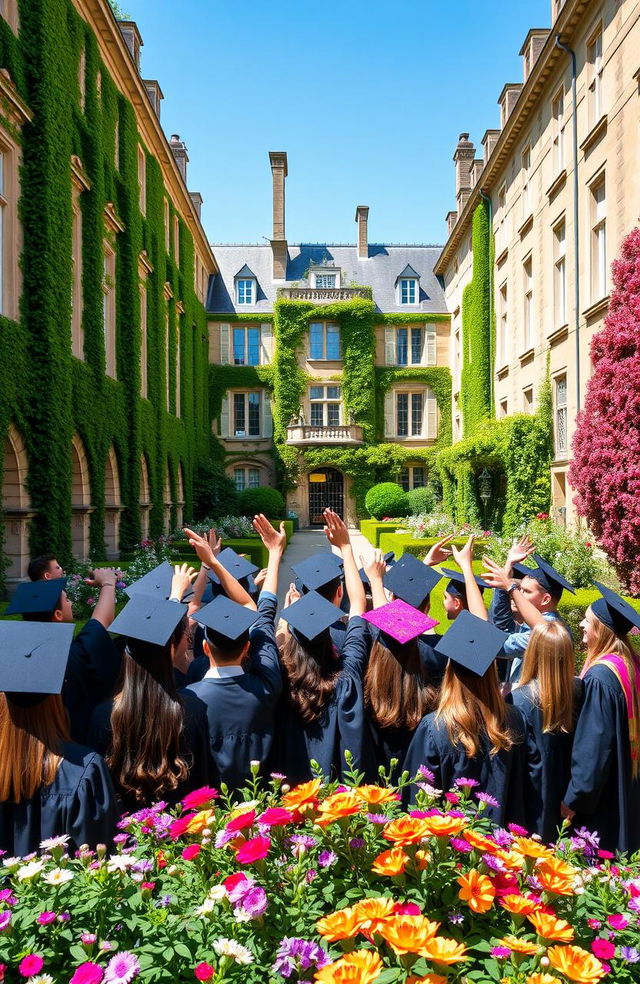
[(79, 175), (16, 106)]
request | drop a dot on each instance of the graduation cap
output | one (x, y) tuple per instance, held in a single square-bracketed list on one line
[(546, 575), (311, 615), (225, 621), (36, 597), (411, 580), (616, 613), (472, 643), (149, 618), (318, 570), (389, 559), (232, 562), (156, 582), (456, 585), (400, 622), (34, 659)]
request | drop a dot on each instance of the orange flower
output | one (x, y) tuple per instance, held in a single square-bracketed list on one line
[(376, 795), (445, 826), (555, 876), (408, 934), (406, 830), (340, 925), (543, 979), (371, 914), (519, 946), (302, 797), (480, 842), (422, 860), (511, 859), (518, 905), (559, 868), (429, 979), (359, 967), (391, 862), (551, 928), (531, 848), (444, 951), (477, 891), (337, 806), (576, 964), (199, 822)]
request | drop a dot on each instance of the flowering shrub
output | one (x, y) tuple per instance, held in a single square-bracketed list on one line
[(429, 525), (147, 556), (227, 527), (323, 882), (83, 596)]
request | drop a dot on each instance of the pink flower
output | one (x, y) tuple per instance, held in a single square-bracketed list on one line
[(253, 850), (46, 917), (31, 965), (236, 886), (148, 886), (198, 797), (603, 949), (5, 920), (241, 822), (275, 817), (618, 922), (407, 909), (87, 973), (203, 972), (191, 852), (178, 827), (122, 968), (594, 923)]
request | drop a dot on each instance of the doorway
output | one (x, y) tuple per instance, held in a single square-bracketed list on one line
[(326, 490)]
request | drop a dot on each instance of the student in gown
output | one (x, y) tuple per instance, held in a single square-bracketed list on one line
[(94, 660), (604, 791), (473, 734), (413, 581), (49, 785), (44, 568), (321, 713), (549, 696), (323, 572), (153, 738), (241, 688)]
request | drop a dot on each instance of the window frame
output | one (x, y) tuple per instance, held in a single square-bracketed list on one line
[(525, 162), (560, 272), (246, 477), (324, 402), (559, 123), (109, 305), (595, 60), (241, 291), (560, 411), (598, 239), (245, 434), (408, 480), (527, 313), (245, 329), (142, 180), (412, 285), (503, 294), (326, 325)]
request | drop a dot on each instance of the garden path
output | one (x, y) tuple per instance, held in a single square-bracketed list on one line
[(303, 544)]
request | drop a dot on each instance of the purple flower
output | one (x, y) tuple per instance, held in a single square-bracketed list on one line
[(311, 874), (278, 777), (461, 845), (355, 843), (121, 969), (494, 864), (502, 837), (487, 799), (455, 918), (46, 917), (463, 783), (501, 952), (6, 895), (253, 905), (586, 841), (634, 905), (143, 865), (629, 954), (301, 843), (164, 902), (517, 830), (327, 858), (296, 955), (224, 836), (5, 920), (426, 774), (88, 939), (121, 838), (376, 817)]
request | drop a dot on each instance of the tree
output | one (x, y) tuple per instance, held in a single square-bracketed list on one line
[(606, 447)]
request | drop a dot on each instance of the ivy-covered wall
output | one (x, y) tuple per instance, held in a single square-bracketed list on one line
[(49, 394), (478, 328)]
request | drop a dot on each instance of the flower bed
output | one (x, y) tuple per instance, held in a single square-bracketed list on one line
[(335, 884)]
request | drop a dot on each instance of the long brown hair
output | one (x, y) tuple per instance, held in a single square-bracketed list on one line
[(549, 665), (147, 722), (471, 706), (311, 674), (397, 689), (30, 745), (606, 641)]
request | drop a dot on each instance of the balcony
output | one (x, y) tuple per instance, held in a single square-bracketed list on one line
[(323, 295), (301, 435)]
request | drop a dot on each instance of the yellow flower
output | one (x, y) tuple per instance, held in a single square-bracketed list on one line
[(518, 905), (444, 951), (531, 848), (429, 979), (371, 914), (391, 862), (340, 925), (445, 826), (551, 928), (543, 979), (302, 797), (376, 795), (199, 822), (408, 934), (477, 891), (576, 964), (519, 946), (359, 967)]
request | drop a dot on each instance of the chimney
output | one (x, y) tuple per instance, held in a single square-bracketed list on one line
[(476, 170), (155, 94), (463, 159), (179, 151), (507, 100), (530, 50), (452, 218), (278, 160), (196, 198), (133, 41), (489, 141), (362, 218)]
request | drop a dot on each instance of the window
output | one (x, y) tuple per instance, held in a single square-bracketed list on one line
[(413, 346), (246, 414), (166, 225), (598, 241), (527, 399), (142, 180), (413, 477), (526, 188), (527, 271), (596, 95), (560, 273), (504, 408), (408, 290), (77, 335), (109, 307), (176, 239), (143, 340), (166, 356), (561, 415), (504, 326), (324, 341), (178, 366), (324, 403), (557, 110), (246, 346), (325, 281), (246, 478), (116, 144), (501, 238), (409, 414), (245, 291), (82, 72)]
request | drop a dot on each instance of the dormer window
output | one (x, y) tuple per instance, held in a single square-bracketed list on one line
[(246, 287), (408, 286), (324, 277)]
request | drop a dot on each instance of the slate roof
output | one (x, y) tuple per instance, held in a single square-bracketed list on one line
[(380, 271)]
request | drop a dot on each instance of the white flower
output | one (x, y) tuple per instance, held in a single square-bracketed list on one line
[(12, 862), (206, 908), (237, 952), (217, 892), (29, 870), (58, 876), (120, 862), (53, 842), (41, 979)]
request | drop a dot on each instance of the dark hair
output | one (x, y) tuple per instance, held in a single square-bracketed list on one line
[(39, 566), (311, 674), (146, 757), (225, 650), (329, 590), (397, 689)]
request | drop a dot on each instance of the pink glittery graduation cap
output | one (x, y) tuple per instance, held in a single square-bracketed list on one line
[(400, 621)]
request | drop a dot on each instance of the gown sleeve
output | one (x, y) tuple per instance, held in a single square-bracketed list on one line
[(265, 659), (500, 611), (593, 745), (355, 648), (423, 750), (92, 674), (92, 817)]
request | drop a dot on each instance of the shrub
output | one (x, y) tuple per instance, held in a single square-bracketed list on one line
[(264, 500), (83, 596), (226, 527), (214, 494), (387, 499), (421, 501)]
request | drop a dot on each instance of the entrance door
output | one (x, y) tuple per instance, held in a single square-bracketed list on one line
[(326, 490)]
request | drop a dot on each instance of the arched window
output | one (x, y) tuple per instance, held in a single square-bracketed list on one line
[(144, 498), (80, 499), (112, 504), (15, 504)]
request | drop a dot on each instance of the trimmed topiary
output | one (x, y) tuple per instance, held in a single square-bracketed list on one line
[(421, 501), (263, 500), (387, 499)]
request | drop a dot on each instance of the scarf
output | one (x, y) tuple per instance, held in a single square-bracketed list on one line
[(618, 666)]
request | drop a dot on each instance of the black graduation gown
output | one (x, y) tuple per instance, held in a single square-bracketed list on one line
[(194, 746), (501, 775), (547, 777), (240, 709), (602, 792), (341, 726), (80, 802), (92, 672)]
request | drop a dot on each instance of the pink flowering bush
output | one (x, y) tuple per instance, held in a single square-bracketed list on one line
[(606, 448)]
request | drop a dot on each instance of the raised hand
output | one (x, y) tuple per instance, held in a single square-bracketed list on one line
[(463, 556), (336, 530), (376, 568), (292, 595), (215, 542), (438, 553), (201, 546), (272, 538), (258, 579), (520, 550), (183, 578), (102, 577), (496, 576)]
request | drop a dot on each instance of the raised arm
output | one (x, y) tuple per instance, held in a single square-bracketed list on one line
[(275, 542), (375, 571), (499, 578), (231, 587), (464, 559), (438, 552), (200, 583), (338, 536), (105, 609)]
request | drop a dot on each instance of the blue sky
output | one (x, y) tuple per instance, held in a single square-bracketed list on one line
[(367, 97)]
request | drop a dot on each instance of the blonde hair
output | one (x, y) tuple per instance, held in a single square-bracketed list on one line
[(605, 641), (30, 746), (471, 706), (549, 665)]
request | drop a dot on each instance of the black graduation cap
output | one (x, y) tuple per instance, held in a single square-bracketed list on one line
[(232, 562), (411, 580), (472, 643), (456, 585), (156, 582), (226, 619), (34, 658), (546, 575), (616, 613), (149, 618), (36, 597), (318, 570), (311, 615)]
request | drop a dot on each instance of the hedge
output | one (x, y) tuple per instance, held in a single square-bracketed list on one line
[(373, 529), (402, 543)]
